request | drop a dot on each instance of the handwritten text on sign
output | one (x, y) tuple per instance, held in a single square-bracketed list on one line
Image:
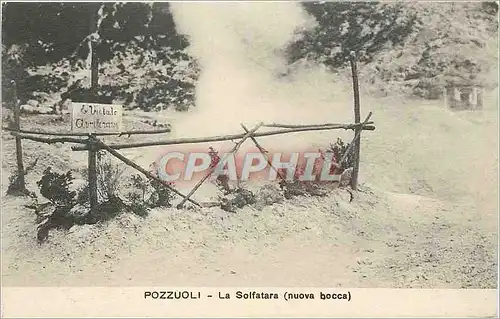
[(96, 118)]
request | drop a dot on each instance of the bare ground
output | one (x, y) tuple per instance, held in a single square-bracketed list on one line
[(419, 220)]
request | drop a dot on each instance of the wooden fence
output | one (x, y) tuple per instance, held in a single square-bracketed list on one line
[(91, 143)]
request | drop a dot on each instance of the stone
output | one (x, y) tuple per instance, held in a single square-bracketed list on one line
[(161, 106), (33, 103), (41, 95), (25, 108), (45, 110)]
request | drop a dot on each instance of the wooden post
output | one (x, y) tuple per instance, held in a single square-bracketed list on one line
[(191, 140), (92, 173), (264, 153), (349, 148), (142, 170), (94, 82), (357, 119), (94, 60), (21, 184), (233, 150)]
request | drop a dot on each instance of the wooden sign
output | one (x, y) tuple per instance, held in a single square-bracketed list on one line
[(96, 118)]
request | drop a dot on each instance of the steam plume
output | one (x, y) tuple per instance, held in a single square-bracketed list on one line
[(240, 50)]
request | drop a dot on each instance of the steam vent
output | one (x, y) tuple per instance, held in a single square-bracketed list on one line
[(463, 97)]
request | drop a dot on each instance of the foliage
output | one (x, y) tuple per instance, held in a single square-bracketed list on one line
[(108, 176), (13, 69), (297, 187), (138, 183), (59, 30), (453, 43), (413, 48), (222, 181), (162, 196), (67, 207), (151, 79), (343, 27), (56, 213), (148, 193), (237, 198), (214, 157), (230, 198), (82, 194), (318, 187), (339, 150), (137, 45), (56, 187)]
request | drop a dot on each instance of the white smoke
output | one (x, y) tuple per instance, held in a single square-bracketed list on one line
[(240, 50)]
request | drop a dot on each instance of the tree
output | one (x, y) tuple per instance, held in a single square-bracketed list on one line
[(413, 48), (342, 27), (131, 37)]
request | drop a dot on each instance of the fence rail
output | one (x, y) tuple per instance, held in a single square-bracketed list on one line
[(92, 144), (49, 140), (275, 125), (136, 132), (222, 138)]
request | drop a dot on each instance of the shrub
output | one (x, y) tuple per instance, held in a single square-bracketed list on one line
[(82, 194), (238, 198), (222, 181), (230, 198), (148, 193), (339, 149), (268, 194), (56, 187), (67, 207), (162, 195), (108, 176), (55, 214), (139, 184), (317, 187)]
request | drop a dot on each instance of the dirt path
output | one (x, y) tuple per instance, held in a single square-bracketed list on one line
[(381, 240)]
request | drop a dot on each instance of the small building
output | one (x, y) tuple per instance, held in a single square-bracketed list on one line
[(463, 97), (463, 94)]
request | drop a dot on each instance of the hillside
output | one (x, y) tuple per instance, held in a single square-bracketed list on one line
[(405, 48), (453, 43)]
